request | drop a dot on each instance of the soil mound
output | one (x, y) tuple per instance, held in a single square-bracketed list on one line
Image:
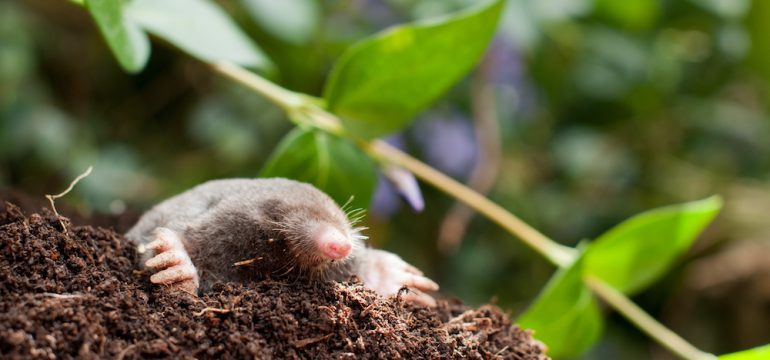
[(78, 294)]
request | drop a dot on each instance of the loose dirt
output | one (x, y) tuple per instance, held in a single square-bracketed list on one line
[(82, 295)]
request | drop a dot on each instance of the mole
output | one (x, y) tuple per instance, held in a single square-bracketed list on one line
[(250, 229)]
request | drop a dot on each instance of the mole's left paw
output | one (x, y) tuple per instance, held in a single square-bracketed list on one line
[(387, 273), (177, 270)]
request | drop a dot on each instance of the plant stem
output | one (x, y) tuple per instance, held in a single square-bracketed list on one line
[(292, 103), (654, 329), (285, 99), (559, 255)]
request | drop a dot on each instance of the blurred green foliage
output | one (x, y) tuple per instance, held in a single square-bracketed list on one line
[(606, 108)]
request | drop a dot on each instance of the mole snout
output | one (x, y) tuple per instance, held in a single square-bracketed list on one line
[(332, 243)]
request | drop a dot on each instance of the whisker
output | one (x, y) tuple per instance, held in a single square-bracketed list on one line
[(355, 215), (347, 203), (287, 271), (355, 233)]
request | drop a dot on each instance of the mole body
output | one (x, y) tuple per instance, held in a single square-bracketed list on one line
[(248, 229)]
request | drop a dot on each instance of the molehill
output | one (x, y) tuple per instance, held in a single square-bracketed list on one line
[(79, 294)]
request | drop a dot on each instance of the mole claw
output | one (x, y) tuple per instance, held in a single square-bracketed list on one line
[(158, 245), (422, 283), (164, 260), (165, 239), (174, 274), (386, 273), (411, 269), (419, 298)]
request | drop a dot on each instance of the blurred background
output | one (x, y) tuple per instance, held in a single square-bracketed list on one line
[(582, 113)]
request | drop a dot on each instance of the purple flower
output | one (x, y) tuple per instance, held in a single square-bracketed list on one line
[(448, 143), (396, 181)]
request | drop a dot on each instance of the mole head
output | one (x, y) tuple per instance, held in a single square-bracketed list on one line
[(315, 229)]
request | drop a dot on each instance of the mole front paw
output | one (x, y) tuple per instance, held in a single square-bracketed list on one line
[(387, 273), (177, 270)]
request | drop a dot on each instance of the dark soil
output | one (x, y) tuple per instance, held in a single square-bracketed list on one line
[(79, 295)]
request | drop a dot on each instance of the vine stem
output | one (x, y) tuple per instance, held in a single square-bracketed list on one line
[(291, 102), (559, 255), (667, 338), (283, 98)]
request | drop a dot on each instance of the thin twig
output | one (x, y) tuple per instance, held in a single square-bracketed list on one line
[(501, 351), (246, 262), (51, 198), (305, 342), (192, 294), (125, 351), (216, 310), (62, 296), (460, 317)]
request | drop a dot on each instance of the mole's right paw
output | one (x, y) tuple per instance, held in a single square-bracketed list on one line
[(177, 270), (387, 274)]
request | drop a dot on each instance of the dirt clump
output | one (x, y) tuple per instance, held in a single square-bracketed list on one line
[(81, 295)]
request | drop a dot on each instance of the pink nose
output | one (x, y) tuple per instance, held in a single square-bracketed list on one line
[(333, 244), (336, 251)]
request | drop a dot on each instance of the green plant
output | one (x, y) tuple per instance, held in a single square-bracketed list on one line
[(377, 87)]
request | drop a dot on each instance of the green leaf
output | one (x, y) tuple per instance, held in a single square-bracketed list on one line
[(565, 316), (127, 41), (198, 27), (330, 163), (757, 353), (384, 81), (640, 250), (294, 21)]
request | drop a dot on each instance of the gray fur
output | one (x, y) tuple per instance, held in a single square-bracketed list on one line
[(222, 222)]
